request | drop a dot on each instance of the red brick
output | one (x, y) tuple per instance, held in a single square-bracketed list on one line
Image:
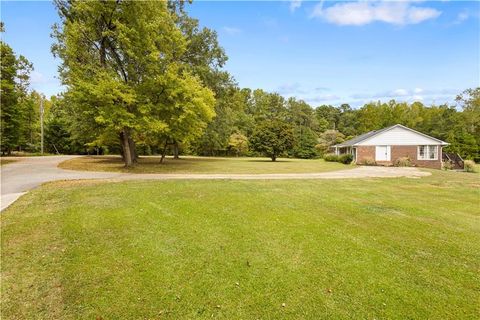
[(364, 152)]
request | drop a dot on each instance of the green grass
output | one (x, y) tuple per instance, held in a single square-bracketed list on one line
[(202, 165), (327, 249)]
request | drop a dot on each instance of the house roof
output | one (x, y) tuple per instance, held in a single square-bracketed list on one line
[(365, 136)]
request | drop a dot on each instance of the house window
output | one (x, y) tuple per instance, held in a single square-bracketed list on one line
[(427, 153)]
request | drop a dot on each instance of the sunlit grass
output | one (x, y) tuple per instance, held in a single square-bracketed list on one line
[(317, 249), (202, 165)]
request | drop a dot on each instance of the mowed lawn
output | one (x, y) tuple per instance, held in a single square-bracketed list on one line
[(315, 249), (202, 165)]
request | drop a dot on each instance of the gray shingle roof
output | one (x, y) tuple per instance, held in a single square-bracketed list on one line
[(367, 135)]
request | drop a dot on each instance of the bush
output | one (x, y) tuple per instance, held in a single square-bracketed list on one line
[(369, 161), (403, 162), (345, 158), (331, 157), (469, 166), (447, 165)]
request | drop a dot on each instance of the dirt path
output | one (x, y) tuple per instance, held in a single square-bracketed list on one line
[(30, 172)]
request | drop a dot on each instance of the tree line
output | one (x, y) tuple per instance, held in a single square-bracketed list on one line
[(144, 78)]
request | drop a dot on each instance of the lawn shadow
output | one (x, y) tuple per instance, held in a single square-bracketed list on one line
[(268, 160)]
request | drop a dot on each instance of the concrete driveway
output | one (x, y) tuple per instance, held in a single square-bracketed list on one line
[(29, 172)]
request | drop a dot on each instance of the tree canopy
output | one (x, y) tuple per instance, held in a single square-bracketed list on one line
[(146, 78), (123, 67)]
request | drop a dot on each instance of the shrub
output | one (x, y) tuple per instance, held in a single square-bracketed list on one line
[(369, 161), (330, 157), (345, 158), (469, 166), (403, 162), (447, 165)]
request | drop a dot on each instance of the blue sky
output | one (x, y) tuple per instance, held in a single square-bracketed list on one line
[(324, 52)]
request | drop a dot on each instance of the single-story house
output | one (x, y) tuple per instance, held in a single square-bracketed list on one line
[(387, 145)]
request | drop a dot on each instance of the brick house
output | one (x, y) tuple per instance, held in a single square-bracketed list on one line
[(385, 146)]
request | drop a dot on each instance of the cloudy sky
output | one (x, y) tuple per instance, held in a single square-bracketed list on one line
[(327, 52)]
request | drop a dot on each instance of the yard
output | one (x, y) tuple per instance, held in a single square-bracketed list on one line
[(317, 249), (202, 165)]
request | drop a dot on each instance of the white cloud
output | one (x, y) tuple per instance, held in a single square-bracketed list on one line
[(461, 17), (37, 78), (290, 89), (325, 97), (232, 30), (362, 12), (417, 15), (295, 4), (418, 90), (400, 92)]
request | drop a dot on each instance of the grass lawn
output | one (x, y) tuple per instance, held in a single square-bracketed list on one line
[(315, 249), (202, 165)]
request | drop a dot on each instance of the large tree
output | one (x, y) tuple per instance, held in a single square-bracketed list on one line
[(14, 100), (272, 138), (121, 63)]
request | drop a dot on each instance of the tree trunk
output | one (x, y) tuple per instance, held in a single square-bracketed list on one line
[(175, 150), (274, 157), (164, 151), (127, 151), (133, 150), (122, 152)]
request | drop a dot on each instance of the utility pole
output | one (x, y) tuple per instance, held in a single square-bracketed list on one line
[(41, 125)]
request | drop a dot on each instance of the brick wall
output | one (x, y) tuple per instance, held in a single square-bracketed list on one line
[(364, 152)]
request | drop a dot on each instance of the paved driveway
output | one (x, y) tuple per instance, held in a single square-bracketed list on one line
[(29, 172)]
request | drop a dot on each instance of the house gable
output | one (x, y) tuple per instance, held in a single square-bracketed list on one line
[(400, 135)]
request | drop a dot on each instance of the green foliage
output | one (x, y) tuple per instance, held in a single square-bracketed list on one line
[(327, 139), (130, 79), (16, 105), (469, 100), (272, 138), (305, 143), (346, 158), (238, 143), (331, 157), (469, 166), (403, 162)]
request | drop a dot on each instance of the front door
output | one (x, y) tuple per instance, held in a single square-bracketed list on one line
[(382, 153)]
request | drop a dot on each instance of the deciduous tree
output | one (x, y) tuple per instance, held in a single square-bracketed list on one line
[(15, 75), (272, 138)]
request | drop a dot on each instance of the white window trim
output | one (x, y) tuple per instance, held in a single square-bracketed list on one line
[(426, 152)]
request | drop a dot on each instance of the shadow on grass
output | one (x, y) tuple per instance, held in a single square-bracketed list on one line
[(268, 160)]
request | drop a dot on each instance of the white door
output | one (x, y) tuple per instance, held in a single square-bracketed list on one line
[(382, 153)]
